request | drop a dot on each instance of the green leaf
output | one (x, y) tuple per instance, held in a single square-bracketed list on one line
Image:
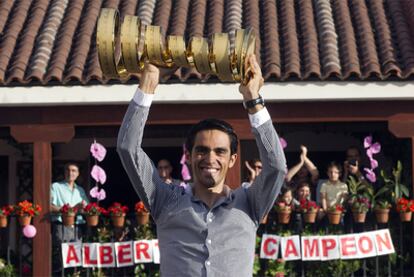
[(404, 190)]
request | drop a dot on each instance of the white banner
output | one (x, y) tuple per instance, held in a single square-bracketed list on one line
[(306, 248)]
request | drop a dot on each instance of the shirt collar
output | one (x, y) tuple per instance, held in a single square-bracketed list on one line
[(229, 195)]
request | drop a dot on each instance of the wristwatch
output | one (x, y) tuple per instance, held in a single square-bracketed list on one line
[(252, 103)]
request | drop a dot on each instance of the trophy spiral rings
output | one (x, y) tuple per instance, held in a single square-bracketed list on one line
[(124, 48)]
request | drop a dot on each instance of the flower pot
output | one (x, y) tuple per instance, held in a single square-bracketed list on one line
[(310, 217), (118, 220), (24, 220), (68, 219), (142, 218), (283, 217), (382, 215), (92, 220), (359, 217), (406, 216), (3, 221), (334, 217)]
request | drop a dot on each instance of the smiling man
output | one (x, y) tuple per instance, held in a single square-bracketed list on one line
[(209, 229)]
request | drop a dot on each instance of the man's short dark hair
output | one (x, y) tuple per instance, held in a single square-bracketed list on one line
[(212, 124), (71, 164)]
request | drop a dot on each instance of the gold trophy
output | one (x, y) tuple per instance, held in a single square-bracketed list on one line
[(124, 47)]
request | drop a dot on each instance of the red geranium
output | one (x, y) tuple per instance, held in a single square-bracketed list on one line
[(68, 209), (306, 205), (26, 208), (336, 208), (140, 207), (93, 209), (117, 209), (404, 205), (6, 210)]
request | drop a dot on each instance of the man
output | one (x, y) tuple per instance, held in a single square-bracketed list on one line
[(254, 167), (352, 164), (66, 192), (208, 230), (164, 170)]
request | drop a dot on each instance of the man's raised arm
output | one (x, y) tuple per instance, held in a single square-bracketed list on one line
[(138, 165), (265, 188)]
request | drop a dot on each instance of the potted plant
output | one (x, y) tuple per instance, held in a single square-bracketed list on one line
[(283, 212), (309, 210), (25, 210), (117, 213), (393, 187), (68, 214), (382, 211), (142, 214), (335, 213), (6, 269), (360, 206), (4, 213), (405, 208), (92, 212)]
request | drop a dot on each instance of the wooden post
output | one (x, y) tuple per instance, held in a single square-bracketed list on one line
[(42, 136)]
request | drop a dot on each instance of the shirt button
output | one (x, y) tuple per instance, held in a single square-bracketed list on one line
[(209, 241), (208, 263)]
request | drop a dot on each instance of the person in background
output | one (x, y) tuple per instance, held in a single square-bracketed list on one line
[(254, 167), (305, 170), (165, 170), (61, 193), (333, 191), (303, 191), (352, 164)]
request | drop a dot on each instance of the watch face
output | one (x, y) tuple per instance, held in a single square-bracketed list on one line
[(252, 103)]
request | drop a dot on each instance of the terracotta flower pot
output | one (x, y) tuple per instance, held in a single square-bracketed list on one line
[(406, 216), (3, 221), (118, 220), (283, 217), (92, 220), (334, 217), (142, 218), (382, 215), (24, 220), (68, 219), (359, 217), (310, 217)]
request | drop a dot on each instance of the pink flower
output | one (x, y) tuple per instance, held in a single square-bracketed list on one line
[(370, 175), (98, 174), (98, 194), (367, 141), (283, 142), (98, 151), (185, 172), (374, 163)]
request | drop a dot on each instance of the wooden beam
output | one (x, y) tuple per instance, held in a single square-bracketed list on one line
[(42, 176), (51, 133), (328, 111), (42, 136)]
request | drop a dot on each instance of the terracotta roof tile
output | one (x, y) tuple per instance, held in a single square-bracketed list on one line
[(53, 42)]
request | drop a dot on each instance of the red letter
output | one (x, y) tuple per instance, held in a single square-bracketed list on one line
[(290, 249), (383, 241), (348, 247), (105, 254), (88, 256), (266, 245), (142, 247), (311, 251), (72, 255), (369, 247), (327, 244), (124, 254)]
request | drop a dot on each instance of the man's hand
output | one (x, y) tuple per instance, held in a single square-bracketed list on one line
[(251, 89), (149, 78)]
